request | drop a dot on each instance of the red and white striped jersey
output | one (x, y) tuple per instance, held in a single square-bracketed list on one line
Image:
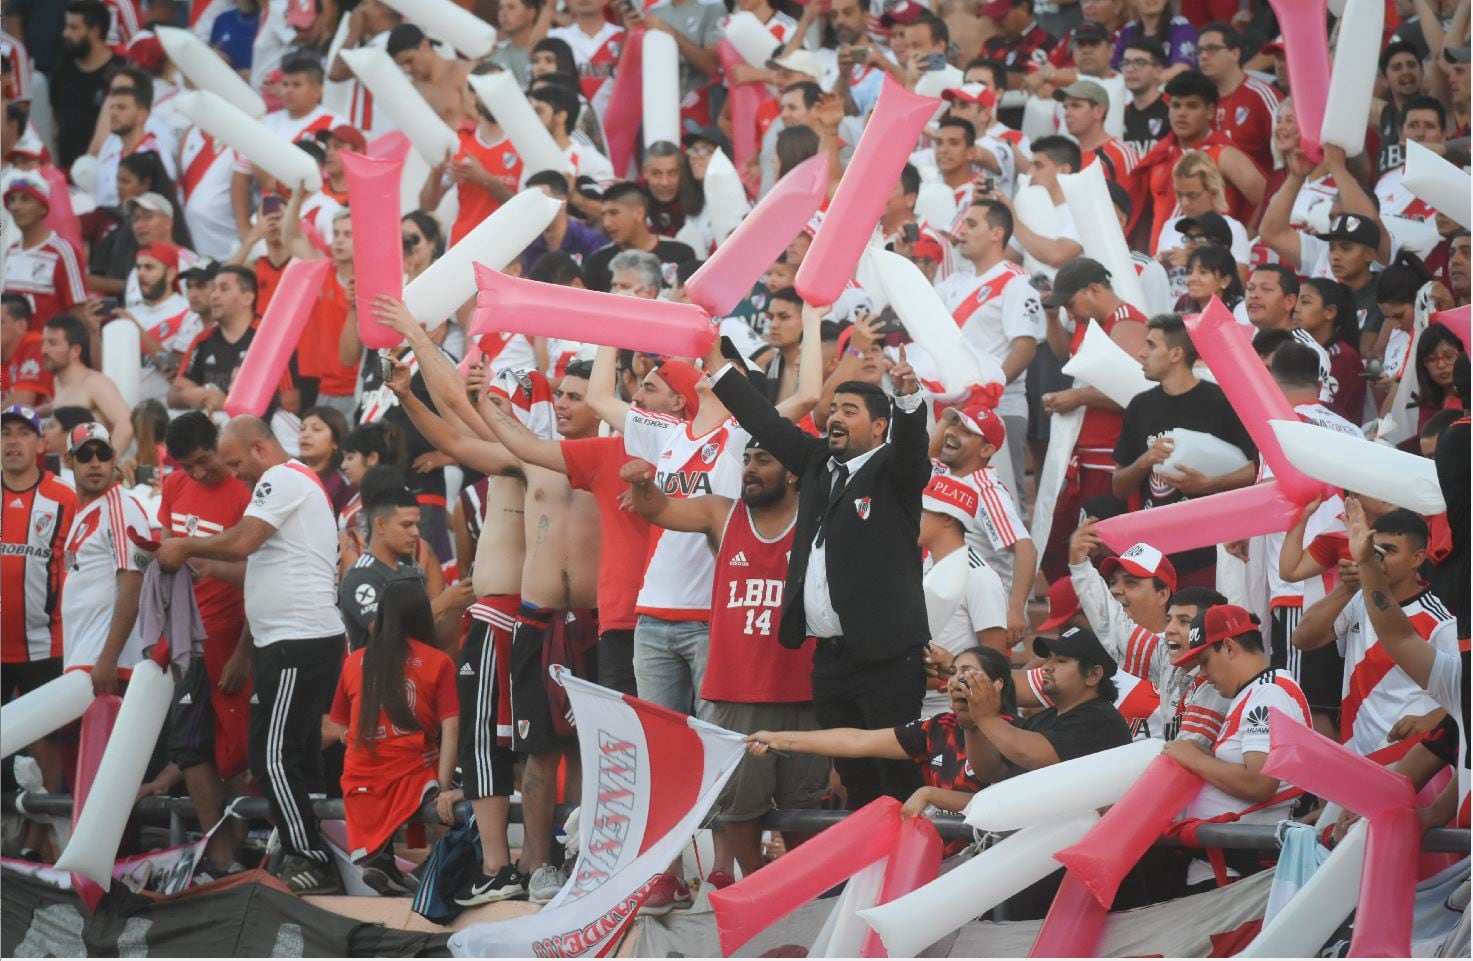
[(1246, 732), (1376, 693), (597, 57), (97, 548), (998, 525), (49, 275), (204, 186), (113, 152), (294, 128), (18, 86), (124, 22), (680, 569), (32, 568)]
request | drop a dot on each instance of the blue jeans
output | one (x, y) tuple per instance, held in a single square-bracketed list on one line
[(670, 661)]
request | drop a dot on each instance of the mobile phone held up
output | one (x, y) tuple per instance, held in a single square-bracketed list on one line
[(272, 204)]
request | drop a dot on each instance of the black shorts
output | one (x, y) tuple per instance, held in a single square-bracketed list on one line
[(192, 719), (482, 682), (541, 718), (1320, 672), (23, 677)]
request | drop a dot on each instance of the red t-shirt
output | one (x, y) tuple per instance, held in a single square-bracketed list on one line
[(476, 203), (268, 277), (191, 509), (317, 351), (430, 683), (1101, 428), (593, 465), (1246, 116), (27, 370)]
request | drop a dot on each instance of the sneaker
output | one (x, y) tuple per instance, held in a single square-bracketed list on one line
[(207, 873), (720, 879), (382, 873), (666, 895), (305, 876), (508, 884), (546, 882)]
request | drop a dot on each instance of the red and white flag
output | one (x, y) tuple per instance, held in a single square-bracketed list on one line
[(650, 774)]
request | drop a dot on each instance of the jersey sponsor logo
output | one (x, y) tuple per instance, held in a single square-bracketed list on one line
[(366, 598), (862, 507), (1256, 720), (26, 550), (686, 485), (263, 491)]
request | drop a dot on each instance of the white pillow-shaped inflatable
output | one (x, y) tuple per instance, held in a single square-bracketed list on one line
[(660, 88), (395, 95), (207, 70), (1361, 466), (1104, 365), (471, 36), (1348, 100), (726, 199), (1035, 208), (1201, 452), (252, 139), (501, 95), (1038, 117), (1088, 197), (48, 708), (1318, 908), (751, 39), (1432, 179), (122, 361), (843, 934), (1051, 794), (936, 205), (99, 830), (449, 282), (928, 321)]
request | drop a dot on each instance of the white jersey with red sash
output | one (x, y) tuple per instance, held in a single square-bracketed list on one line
[(291, 582), (1246, 731), (597, 58), (205, 189), (992, 310)]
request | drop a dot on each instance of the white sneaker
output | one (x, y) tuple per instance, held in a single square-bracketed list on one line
[(546, 882)]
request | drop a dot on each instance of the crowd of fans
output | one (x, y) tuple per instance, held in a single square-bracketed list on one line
[(388, 559)]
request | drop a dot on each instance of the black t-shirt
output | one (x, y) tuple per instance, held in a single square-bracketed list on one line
[(1204, 408), (1367, 311), (76, 100), (370, 377), (1144, 127), (666, 219), (359, 593), (1089, 728), (213, 359), (672, 254)]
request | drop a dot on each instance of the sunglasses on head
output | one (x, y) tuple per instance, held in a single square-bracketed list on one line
[(88, 453)]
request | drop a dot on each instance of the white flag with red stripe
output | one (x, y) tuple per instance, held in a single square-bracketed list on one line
[(649, 776)]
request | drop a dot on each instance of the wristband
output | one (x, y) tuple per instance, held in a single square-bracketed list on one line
[(852, 352)]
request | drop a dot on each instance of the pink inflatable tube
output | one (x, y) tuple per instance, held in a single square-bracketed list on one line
[(883, 149), (390, 146), (378, 261), (626, 102), (1116, 843), (915, 861), (1455, 320), (729, 274), (1384, 909), (97, 728), (1307, 53), (745, 99), (1246, 512), (1074, 924), (1227, 348), (752, 904), (277, 337), (519, 306)]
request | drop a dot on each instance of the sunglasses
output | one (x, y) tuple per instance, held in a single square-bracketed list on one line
[(410, 243), (88, 453)]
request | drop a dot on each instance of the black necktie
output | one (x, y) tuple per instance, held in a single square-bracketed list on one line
[(841, 480)]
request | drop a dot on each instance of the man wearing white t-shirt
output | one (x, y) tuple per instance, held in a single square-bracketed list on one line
[(288, 539), (999, 314)]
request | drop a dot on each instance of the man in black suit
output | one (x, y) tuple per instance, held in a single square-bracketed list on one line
[(854, 579)]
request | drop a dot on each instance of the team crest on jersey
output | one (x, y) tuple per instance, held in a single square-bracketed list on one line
[(710, 451), (1241, 115), (524, 728), (191, 524), (41, 523), (509, 159), (861, 507), (1154, 125), (30, 368)]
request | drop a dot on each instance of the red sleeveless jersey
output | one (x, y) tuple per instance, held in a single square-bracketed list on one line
[(745, 662)]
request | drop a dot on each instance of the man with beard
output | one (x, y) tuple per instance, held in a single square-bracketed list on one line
[(78, 82), (67, 351), (752, 682), (128, 108), (166, 325)]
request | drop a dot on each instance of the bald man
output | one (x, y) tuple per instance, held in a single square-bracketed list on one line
[(288, 539)]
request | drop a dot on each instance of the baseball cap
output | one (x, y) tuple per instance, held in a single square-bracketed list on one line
[(710, 135), (31, 185), (1213, 224), (906, 11), (24, 414), (85, 433), (1212, 626), (1455, 54), (155, 202), (1084, 90), (1354, 227), (345, 133), (682, 378), (952, 497), (1063, 604), (977, 415), (799, 61), (166, 254), (1090, 31), (1079, 642), (970, 93), (29, 145), (1142, 560), (1074, 277), (202, 269), (927, 246), (146, 51)]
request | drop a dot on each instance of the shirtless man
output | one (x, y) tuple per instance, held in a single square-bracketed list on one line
[(559, 574), (441, 82), (66, 348)]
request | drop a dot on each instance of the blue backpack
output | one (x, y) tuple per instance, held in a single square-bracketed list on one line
[(455, 858)]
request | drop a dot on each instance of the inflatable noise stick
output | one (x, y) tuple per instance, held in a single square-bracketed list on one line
[(377, 267), (1432, 179), (1100, 235), (751, 38), (122, 359), (49, 707), (1348, 100), (1307, 53), (915, 861), (1355, 464), (745, 99), (830, 857), (207, 70), (1074, 924), (471, 36), (94, 844), (501, 95), (251, 138), (1049, 794), (1318, 908), (844, 932), (1104, 365), (660, 87), (98, 722), (276, 337), (928, 321), (395, 95), (910, 924), (1187, 525), (626, 99), (726, 199), (1035, 209)]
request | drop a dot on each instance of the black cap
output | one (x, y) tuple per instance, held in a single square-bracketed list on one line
[(1079, 642), (202, 269), (1091, 31), (711, 135), (1213, 225), (1074, 277), (1356, 228)]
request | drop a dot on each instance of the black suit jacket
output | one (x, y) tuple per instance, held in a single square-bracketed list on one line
[(873, 559)]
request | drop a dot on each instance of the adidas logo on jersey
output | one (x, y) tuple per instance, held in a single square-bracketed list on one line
[(254, 699), (186, 699), (467, 671), (740, 560), (936, 761), (17, 503)]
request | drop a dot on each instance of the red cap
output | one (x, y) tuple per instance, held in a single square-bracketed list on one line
[(971, 93), (32, 186), (996, 9), (344, 134), (1063, 604), (927, 246), (1142, 560), (976, 414), (682, 378), (1217, 624), (146, 51), (166, 254)]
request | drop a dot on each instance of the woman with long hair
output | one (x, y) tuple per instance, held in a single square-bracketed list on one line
[(1326, 311), (1211, 272), (320, 447), (114, 254), (1158, 22), (397, 713), (1438, 351)]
